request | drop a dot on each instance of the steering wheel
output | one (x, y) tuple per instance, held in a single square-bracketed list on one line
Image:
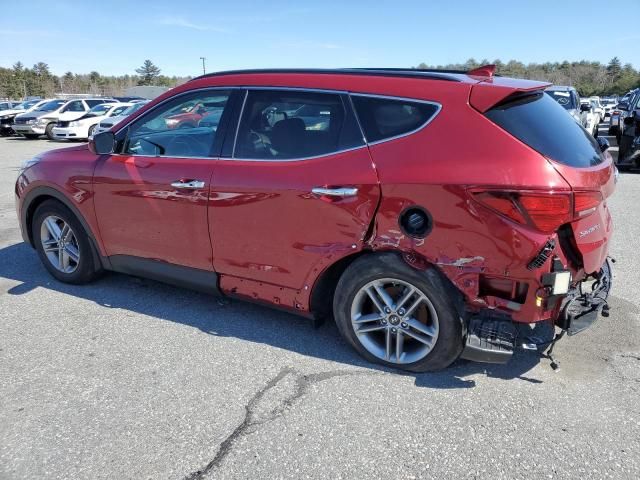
[(186, 145)]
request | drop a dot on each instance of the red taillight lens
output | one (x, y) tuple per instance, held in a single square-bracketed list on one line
[(502, 203), (543, 211), (547, 211), (585, 203)]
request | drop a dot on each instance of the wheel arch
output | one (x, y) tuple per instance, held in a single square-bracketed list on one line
[(324, 288), (37, 197)]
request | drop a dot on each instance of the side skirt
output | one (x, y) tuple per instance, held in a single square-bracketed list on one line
[(186, 277)]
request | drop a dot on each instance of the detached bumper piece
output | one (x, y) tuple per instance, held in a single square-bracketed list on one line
[(489, 340), (581, 309)]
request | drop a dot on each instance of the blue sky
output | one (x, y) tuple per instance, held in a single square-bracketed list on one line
[(115, 36)]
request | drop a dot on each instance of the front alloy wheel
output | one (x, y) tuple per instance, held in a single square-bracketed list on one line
[(394, 321), (60, 244), (63, 245)]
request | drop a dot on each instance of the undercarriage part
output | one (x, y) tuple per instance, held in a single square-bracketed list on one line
[(580, 309), (489, 340), (554, 363)]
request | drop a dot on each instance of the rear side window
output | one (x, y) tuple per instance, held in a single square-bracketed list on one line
[(283, 125), (384, 118), (540, 122), (93, 103)]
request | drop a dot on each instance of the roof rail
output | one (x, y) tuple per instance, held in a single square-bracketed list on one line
[(395, 72)]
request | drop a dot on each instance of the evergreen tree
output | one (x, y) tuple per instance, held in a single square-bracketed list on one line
[(149, 72), (614, 69)]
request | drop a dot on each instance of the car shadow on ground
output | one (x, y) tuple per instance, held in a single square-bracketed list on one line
[(253, 323)]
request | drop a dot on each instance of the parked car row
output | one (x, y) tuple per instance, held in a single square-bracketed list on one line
[(628, 133), (9, 110), (61, 119), (628, 103)]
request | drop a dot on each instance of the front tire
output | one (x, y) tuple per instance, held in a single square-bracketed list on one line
[(397, 316), (62, 244), (49, 131)]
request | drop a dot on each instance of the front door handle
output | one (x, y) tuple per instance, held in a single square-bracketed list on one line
[(341, 192), (190, 184)]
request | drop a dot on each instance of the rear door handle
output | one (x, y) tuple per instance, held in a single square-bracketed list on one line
[(189, 184), (341, 192)]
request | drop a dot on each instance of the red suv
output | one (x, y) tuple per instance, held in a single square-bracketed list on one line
[(430, 213)]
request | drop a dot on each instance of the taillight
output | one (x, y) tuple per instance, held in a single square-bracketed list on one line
[(543, 211), (585, 203)]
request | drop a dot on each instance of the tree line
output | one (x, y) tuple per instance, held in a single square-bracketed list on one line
[(589, 78), (19, 81)]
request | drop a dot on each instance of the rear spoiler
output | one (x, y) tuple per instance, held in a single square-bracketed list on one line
[(491, 90)]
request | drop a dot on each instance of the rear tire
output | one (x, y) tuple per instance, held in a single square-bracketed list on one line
[(431, 334), (70, 260)]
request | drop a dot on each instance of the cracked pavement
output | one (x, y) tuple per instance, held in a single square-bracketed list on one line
[(128, 378)]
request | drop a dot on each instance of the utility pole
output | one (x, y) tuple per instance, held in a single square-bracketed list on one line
[(204, 71)]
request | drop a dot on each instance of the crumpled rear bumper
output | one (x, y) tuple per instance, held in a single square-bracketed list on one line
[(586, 302)]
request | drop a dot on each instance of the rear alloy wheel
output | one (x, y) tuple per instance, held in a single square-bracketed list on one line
[(394, 321), (398, 316), (62, 244)]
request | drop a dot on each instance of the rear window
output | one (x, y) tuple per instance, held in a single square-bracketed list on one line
[(563, 98), (384, 118), (545, 126), (93, 103)]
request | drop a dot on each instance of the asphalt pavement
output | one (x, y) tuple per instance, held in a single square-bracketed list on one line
[(129, 379)]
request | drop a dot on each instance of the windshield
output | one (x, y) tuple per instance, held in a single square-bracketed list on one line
[(539, 122), (27, 105), (133, 108), (563, 98), (118, 111), (99, 110), (51, 106)]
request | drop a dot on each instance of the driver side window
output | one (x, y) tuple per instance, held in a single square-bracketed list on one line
[(183, 127)]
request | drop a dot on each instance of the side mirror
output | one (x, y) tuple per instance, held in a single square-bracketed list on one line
[(622, 106), (585, 107), (103, 143), (603, 143)]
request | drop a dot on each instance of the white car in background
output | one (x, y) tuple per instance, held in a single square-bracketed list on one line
[(82, 128), (591, 118), (609, 105), (109, 122), (598, 108)]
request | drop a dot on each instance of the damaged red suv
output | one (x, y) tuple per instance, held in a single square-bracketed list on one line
[(431, 213)]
